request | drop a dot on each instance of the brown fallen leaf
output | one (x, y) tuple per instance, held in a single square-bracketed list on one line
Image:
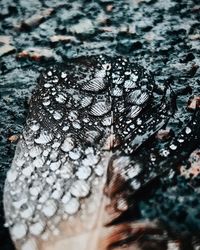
[(62, 38), (109, 8), (163, 134), (194, 169), (5, 39), (35, 20), (6, 49), (194, 103), (36, 54), (194, 37), (14, 138)]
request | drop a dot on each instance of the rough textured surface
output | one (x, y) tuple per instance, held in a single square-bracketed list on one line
[(162, 36)]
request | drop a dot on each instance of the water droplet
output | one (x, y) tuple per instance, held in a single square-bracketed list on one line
[(60, 98), (86, 101), (37, 228), (100, 109), (55, 165), (83, 172), (133, 77), (139, 121), (90, 160), (35, 127), (134, 170), (49, 73), (35, 190), (35, 151), (94, 85), (75, 154), (135, 184), (12, 175), (38, 162), (28, 171), (129, 84), (46, 103), (80, 188), (117, 92), (65, 128), (63, 75), (44, 138), (49, 208), (137, 97), (76, 125), (57, 115), (106, 121), (27, 212), (188, 130), (92, 136), (18, 231), (66, 198), (135, 110), (72, 206), (68, 144), (99, 170), (73, 115), (30, 244), (173, 147), (20, 162), (47, 85)]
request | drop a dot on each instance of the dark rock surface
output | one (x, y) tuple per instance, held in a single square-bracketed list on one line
[(162, 36)]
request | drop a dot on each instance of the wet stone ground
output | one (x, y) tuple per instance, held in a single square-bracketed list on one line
[(162, 36)]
